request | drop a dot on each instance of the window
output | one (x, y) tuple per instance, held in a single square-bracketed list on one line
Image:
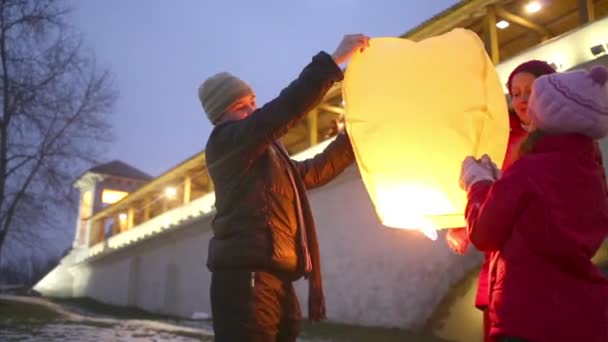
[(110, 196)]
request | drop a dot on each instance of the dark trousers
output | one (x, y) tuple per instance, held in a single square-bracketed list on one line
[(253, 306)]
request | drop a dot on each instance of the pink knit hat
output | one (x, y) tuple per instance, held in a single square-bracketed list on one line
[(571, 102)]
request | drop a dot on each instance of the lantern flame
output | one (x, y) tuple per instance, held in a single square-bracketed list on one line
[(409, 206), (430, 233)]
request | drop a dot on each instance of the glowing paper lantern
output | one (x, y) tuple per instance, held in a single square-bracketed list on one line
[(414, 111)]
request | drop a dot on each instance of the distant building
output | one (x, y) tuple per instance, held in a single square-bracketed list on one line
[(100, 187)]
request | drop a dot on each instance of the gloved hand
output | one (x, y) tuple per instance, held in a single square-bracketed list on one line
[(486, 161), (473, 171), (457, 240)]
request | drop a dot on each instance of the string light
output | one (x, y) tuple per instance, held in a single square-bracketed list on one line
[(503, 24), (170, 192), (533, 7)]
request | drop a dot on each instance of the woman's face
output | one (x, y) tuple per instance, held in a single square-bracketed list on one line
[(521, 87)]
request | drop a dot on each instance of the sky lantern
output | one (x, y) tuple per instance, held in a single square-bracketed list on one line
[(414, 111)]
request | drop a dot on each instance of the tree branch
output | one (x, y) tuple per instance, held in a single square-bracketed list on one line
[(53, 119)]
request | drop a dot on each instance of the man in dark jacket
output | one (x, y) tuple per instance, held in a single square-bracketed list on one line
[(264, 232)]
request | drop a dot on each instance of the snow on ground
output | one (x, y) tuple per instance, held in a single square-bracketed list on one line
[(85, 333)]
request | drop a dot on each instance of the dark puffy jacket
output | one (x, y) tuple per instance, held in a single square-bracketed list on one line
[(256, 223)]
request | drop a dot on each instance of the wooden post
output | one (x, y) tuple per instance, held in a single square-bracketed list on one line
[(130, 218), (313, 127), (187, 189), (93, 233), (491, 35), (586, 11), (116, 225), (146, 209), (165, 203)]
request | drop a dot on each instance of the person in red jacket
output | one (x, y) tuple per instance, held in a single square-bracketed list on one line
[(519, 86), (546, 216)]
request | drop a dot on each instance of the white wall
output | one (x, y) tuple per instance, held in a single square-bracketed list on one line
[(375, 275), (372, 275), (164, 274)]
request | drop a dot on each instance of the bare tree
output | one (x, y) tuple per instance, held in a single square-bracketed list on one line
[(54, 116)]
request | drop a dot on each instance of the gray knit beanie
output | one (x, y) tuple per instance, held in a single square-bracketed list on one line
[(219, 91)]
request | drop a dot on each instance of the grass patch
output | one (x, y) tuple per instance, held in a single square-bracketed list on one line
[(91, 306), (16, 311), (21, 320), (343, 332), (25, 318)]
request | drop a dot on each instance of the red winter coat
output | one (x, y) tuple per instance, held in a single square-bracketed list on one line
[(516, 136), (543, 221)]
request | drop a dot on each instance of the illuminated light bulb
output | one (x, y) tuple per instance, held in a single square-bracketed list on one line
[(533, 7), (503, 24), (170, 192)]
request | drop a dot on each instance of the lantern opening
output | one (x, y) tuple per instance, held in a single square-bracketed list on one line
[(431, 233), (411, 206)]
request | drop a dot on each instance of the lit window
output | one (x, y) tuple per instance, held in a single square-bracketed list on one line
[(112, 196)]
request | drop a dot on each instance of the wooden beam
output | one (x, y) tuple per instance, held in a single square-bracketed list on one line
[(93, 233), (101, 231), (187, 189), (491, 35), (586, 11), (335, 90), (146, 209), (116, 226), (448, 19), (165, 203), (130, 217), (333, 109), (313, 127), (515, 19)]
